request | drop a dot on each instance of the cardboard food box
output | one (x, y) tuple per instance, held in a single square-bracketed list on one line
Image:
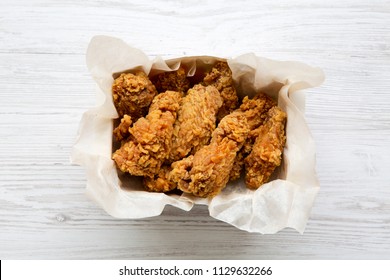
[(285, 201)]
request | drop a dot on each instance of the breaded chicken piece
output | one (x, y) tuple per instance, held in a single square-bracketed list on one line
[(150, 140), (160, 182), (267, 150), (195, 121), (175, 80), (122, 130), (132, 94), (255, 110), (220, 76), (206, 173)]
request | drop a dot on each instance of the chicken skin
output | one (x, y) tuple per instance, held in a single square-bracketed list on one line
[(255, 110), (220, 76), (150, 138), (267, 150), (160, 182), (175, 80), (122, 130), (206, 173), (195, 139), (132, 94), (195, 121)]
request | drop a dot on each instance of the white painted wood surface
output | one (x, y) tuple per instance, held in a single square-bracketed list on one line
[(45, 87)]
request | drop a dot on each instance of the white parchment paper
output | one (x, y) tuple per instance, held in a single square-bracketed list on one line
[(285, 201)]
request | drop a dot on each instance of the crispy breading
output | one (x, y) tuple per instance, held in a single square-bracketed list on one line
[(151, 137), (206, 173), (122, 130), (132, 94), (195, 122), (175, 80), (255, 110), (160, 182), (220, 76), (267, 150), (238, 166)]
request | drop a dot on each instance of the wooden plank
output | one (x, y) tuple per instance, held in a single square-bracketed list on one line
[(45, 87)]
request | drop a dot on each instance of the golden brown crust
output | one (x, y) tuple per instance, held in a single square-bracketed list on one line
[(160, 182), (267, 150), (255, 110), (150, 140), (220, 77), (238, 166), (122, 130), (177, 144), (206, 173), (132, 94), (195, 122), (175, 81)]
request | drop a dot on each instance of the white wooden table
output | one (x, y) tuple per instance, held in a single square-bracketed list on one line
[(45, 87)]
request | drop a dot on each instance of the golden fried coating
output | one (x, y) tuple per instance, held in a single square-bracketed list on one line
[(238, 166), (150, 140), (132, 94), (173, 142), (160, 182), (206, 173), (255, 110), (267, 150), (122, 130), (175, 80), (220, 76), (195, 121)]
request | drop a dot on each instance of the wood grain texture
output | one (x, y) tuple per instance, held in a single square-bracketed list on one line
[(45, 87)]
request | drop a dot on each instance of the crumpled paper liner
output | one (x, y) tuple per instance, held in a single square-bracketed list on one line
[(285, 201)]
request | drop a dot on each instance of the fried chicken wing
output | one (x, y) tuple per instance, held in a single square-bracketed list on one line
[(267, 150), (255, 110), (122, 130), (195, 121), (220, 76), (206, 173), (132, 94), (150, 140), (175, 80)]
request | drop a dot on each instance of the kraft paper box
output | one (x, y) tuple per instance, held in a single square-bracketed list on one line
[(285, 201)]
